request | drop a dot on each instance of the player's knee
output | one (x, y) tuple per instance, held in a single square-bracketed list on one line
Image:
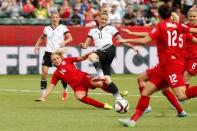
[(79, 96), (181, 97), (93, 58), (108, 79)]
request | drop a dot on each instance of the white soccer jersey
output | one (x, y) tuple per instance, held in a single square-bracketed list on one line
[(54, 37), (103, 37)]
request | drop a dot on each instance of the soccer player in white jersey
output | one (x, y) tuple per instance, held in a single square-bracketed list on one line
[(55, 38), (102, 58)]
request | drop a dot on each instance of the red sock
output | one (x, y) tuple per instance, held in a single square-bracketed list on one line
[(141, 107), (191, 92), (173, 100), (91, 101)]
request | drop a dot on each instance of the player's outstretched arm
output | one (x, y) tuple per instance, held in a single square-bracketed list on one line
[(84, 57), (193, 30), (194, 39), (48, 92), (138, 34), (144, 40), (118, 37), (86, 44)]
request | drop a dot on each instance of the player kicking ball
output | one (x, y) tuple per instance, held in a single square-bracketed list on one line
[(79, 81)]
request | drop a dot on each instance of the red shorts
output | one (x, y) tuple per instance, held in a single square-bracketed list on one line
[(152, 70), (191, 66), (170, 74), (84, 85)]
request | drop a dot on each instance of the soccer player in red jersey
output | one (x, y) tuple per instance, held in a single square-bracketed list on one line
[(144, 77), (171, 59), (191, 48), (79, 81)]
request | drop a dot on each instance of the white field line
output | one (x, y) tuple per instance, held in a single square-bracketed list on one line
[(57, 92), (70, 92)]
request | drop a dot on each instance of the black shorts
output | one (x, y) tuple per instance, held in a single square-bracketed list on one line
[(46, 61), (106, 57)]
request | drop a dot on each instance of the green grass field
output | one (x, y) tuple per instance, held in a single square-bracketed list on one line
[(19, 111)]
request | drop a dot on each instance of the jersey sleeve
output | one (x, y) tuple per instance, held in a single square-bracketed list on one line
[(45, 31), (65, 29), (114, 31), (184, 28), (90, 33), (154, 33), (54, 79)]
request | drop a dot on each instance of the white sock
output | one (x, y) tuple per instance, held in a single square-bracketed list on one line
[(117, 96), (43, 92)]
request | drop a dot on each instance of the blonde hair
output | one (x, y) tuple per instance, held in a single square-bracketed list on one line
[(59, 52), (174, 17), (193, 9)]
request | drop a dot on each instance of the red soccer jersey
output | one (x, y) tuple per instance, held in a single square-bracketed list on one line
[(169, 40), (191, 48), (68, 73)]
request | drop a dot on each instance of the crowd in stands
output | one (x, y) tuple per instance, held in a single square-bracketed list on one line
[(85, 12)]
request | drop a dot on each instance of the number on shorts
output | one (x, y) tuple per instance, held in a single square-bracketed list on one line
[(194, 66), (173, 78)]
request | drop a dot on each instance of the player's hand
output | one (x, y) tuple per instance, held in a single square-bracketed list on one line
[(36, 49), (83, 45), (136, 50), (126, 30), (40, 100)]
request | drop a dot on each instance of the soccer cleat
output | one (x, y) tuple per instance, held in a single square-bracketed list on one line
[(108, 106), (65, 96), (127, 122), (124, 93), (148, 109), (182, 114)]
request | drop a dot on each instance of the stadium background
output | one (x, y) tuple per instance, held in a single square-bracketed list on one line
[(18, 57)]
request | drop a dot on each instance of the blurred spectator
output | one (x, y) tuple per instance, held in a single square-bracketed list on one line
[(5, 8), (65, 10), (187, 5), (76, 18), (28, 9), (176, 4), (40, 12), (129, 17), (94, 22), (52, 7), (114, 18), (16, 9), (181, 16), (89, 13), (140, 20), (84, 6)]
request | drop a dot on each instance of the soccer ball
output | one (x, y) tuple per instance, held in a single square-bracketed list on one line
[(121, 106)]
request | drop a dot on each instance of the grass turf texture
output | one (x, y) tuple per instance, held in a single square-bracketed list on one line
[(19, 111)]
